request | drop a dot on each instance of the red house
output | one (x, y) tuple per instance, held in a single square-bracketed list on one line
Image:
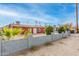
[(34, 29)]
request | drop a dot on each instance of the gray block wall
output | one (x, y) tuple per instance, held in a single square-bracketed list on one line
[(12, 46), (57, 36), (40, 40), (66, 34)]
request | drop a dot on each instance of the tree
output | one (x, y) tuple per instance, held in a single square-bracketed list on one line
[(49, 30)]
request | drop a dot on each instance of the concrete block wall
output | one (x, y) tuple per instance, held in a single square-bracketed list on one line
[(40, 40), (12, 46)]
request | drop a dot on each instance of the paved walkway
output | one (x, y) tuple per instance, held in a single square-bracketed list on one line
[(65, 47)]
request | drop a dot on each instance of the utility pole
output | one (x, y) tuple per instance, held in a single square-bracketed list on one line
[(76, 17)]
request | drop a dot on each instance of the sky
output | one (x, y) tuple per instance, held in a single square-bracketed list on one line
[(37, 14)]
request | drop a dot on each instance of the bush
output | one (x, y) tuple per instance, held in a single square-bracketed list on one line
[(66, 27), (9, 32), (16, 31), (61, 29), (48, 30)]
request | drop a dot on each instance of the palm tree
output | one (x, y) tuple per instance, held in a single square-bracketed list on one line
[(77, 17)]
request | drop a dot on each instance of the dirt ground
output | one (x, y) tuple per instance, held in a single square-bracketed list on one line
[(64, 47)]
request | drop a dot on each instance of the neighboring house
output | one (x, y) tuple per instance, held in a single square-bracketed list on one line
[(34, 29), (0, 28)]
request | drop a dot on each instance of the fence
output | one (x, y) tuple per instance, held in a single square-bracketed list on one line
[(12, 46)]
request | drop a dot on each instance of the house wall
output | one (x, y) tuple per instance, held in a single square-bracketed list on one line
[(40, 30), (34, 29)]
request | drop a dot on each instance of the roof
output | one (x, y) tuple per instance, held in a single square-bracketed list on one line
[(22, 25)]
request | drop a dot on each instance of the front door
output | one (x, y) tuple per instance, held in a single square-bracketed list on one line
[(34, 30)]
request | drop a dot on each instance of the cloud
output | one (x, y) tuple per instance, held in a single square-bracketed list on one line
[(35, 13), (8, 13), (19, 15), (41, 18)]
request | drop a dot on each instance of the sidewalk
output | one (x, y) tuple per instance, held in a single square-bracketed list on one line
[(65, 47)]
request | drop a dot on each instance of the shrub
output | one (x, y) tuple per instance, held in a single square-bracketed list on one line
[(48, 30), (63, 28), (1, 33), (16, 31), (66, 27), (9, 32)]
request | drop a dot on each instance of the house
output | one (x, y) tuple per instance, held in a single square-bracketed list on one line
[(34, 29), (0, 28)]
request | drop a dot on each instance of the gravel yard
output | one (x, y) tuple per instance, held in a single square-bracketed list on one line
[(65, 47)]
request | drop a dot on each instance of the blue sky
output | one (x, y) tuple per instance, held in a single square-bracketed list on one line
[(28, 13)]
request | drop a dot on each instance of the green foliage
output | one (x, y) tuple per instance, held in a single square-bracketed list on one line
[(16, 31), (66, 27), (48, 30), (1, 33), (63, 28), (9, 32)]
